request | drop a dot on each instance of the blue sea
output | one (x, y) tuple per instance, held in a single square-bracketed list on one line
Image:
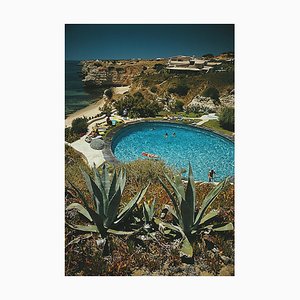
[(76, 96)]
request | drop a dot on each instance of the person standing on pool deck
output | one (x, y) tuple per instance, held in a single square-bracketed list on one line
[(211, 174)]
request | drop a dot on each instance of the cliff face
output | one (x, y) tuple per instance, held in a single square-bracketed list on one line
[(98, 73)]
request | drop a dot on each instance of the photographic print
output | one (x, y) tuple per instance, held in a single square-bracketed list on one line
[(149, 149)]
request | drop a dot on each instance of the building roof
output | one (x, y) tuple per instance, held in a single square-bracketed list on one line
[(183, 69), (199, 61), (213, 63)]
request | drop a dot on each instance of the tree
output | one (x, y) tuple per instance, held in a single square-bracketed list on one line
[(108, 93), (212, 93), (137, 106), (178, 106), (79, 125), (226, 118), (181, 90)]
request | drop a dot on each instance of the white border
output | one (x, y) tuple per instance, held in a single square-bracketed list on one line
[(32, 77)]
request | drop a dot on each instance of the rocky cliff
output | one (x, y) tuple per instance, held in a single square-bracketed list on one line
[(98, 73)]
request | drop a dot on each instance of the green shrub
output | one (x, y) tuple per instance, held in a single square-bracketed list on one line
[(226, 118), (145, 108), (79, 125), (181, 90), (211, 92), (153, 89), (158, 67), (127, 102), (70, 136), (137, 106), (108, 93), (178, 106)]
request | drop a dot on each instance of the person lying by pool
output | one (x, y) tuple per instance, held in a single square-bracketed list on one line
[(211, 174)]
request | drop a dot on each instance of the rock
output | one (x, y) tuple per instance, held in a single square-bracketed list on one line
[(203, 103), (104, 73), (227, 100)]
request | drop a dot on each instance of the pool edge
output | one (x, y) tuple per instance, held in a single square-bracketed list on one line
[(108, 154)]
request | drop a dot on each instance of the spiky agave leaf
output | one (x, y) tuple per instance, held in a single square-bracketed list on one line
[(179, 185), (105, 178), (211, 196), (212, 214), (130, 205), (227, 227), (188, 203), (177, 189), (96, 193), (152, 211), (148, 211), (186, 247), (100, 185), (112, 209), (93, 228), (85, 228), (171, 211), (80, 210), (122, 180), (113, 187), (97, 219), (177, 212)]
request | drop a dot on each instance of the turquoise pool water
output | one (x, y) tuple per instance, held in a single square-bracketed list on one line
[(203, 149)]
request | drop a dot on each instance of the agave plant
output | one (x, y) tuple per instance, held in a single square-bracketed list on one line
[(188, 221), (148, 211), (106, 195)]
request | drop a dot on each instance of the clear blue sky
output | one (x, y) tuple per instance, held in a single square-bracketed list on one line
[(123, 41)]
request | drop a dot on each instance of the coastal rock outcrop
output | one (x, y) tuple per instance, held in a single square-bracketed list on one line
[(203, 104), (96, 73)]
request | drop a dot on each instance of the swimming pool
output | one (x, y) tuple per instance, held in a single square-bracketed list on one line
[(205, 150)]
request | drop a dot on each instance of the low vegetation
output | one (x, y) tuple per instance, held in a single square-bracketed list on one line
[(215, 125), (79, 126), (211, 92), (180, 90), (227, 118), (148, 240), (138, 106), (71, 136)]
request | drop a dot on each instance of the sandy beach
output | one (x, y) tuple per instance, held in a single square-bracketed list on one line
[(93, 109)]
